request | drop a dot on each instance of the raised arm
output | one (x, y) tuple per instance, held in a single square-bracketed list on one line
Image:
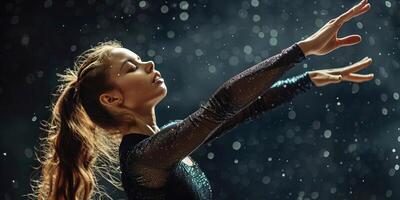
[(280, 92), (169, 146)]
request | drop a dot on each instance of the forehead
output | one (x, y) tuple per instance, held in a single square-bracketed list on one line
[(121, 53)]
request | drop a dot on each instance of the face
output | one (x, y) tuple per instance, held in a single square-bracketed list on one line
[(134, 78)]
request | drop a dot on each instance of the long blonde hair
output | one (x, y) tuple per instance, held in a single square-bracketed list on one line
[(80, 137)]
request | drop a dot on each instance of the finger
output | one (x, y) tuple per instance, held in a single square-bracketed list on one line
[(359, 77), (358, 65), (348, 40), (342, 70), (354, 11), (363, 10)]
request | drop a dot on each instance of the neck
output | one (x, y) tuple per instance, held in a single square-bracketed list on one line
[(146, 122)]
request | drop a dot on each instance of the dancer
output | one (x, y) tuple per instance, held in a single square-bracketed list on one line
[(107, 105)]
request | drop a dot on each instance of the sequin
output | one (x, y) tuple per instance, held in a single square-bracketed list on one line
[(152, 166)]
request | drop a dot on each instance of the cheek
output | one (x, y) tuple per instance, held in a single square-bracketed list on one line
[(134, 86)]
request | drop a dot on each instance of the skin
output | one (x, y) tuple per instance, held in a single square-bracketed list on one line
[(325, 41), (138, 96)]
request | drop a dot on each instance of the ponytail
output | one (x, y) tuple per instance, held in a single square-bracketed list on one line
[(74, 148)]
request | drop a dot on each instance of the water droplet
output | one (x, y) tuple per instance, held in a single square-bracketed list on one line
[(184, 5), (326, 154), (396, 96), (314, 195), (352, 147), (164, 9), (292, 114), (255, 3), (391, 172), (28, 152), (327, 133), (266, 179), (210, 155), (384, 111), (236, 145), (355, 88), (184, 16), (142, 4), (388, 4)]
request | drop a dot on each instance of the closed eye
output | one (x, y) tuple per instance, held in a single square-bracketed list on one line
[(131, 65), (131, 68)]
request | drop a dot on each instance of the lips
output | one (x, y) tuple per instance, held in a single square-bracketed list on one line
[(156, 74)]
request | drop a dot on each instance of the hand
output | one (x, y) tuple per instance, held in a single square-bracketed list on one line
[(325, 39), (336, 75)]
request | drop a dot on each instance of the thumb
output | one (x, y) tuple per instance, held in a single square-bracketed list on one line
[(348, 40), (335, 78)]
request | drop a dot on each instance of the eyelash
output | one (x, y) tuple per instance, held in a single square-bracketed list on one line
[(130, 69)]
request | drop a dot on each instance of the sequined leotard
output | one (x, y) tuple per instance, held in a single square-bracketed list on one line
[(152, 166)]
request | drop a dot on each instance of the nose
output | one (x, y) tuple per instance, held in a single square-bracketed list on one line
[(149, 66)]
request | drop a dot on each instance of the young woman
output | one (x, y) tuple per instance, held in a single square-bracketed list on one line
[(107, 105)]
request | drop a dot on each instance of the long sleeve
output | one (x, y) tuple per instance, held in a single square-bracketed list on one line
[(280, 92), (169, 146)]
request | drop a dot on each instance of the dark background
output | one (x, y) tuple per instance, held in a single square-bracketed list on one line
[(335, 142)]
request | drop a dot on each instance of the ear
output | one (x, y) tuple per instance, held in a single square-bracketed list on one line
[(110, 98)]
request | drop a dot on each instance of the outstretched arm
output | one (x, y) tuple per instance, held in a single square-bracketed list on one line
[(169, 146), (280, 92), (285, 90)]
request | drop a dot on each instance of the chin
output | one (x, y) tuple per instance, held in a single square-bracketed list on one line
[(165, 90), (160, 96)]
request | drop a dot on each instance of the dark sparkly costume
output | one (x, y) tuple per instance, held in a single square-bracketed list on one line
[(152, 166)]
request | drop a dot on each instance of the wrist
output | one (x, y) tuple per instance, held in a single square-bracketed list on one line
[(305, 47), (311, 75)]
